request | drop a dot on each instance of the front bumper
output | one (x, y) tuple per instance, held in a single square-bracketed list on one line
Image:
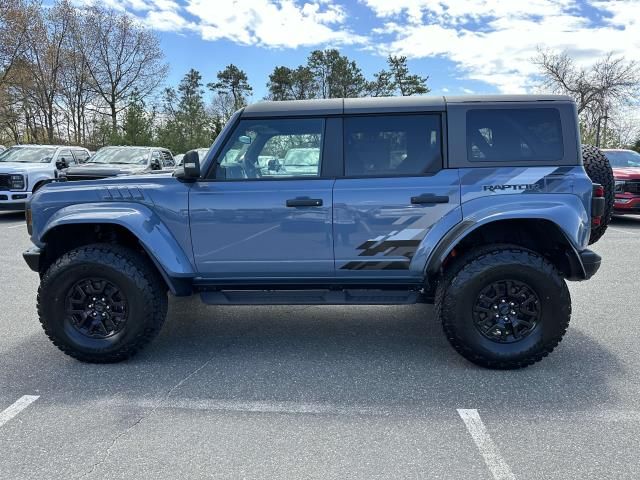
[(626, 204), (32, 257), (11, 200)]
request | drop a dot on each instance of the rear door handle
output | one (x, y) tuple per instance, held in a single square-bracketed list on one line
[(429, 198), (304, 202)]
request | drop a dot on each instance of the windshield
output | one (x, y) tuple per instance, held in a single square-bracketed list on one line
[(302, 157), (121, 156), (27, 155), (623, 158)]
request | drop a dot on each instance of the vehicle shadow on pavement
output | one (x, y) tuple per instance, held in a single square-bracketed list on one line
[(381, 358), (626, 221), (11, 217)]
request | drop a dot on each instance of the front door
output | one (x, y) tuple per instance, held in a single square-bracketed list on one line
[(267, 212), (394, 191)]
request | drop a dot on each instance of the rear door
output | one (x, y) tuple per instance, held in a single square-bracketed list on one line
[(393, 192), (266, 210)]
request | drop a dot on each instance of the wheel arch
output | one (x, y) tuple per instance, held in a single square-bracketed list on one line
[(130, 227), (538, 234)]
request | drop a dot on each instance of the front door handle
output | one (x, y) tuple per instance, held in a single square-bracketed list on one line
[(304, 202), (429, 198)]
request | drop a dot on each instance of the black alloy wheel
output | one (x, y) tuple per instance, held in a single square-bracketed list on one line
[(506, 311), (96, 308)]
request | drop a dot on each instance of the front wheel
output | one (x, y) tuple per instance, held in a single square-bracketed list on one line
[(101, 303), (503, 307)]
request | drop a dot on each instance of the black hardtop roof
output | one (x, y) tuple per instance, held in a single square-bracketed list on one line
[(339, 106)]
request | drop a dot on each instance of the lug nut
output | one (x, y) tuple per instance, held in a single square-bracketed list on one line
[(513, 312), (501, 301)]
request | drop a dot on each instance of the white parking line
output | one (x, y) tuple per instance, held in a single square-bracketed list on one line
[(20, 404), (17, 226), (489, 451)]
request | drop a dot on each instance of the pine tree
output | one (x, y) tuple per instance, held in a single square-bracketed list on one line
[(138, 123)]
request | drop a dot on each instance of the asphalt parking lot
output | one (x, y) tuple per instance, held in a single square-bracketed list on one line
[(323, 392)]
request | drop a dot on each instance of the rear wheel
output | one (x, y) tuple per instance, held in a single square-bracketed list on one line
[(599, 170), (503, 307), (101, 303)]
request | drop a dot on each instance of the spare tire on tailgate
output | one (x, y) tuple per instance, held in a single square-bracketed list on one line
[(599, 170)]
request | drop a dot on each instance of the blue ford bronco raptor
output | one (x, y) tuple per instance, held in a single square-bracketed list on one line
[(484, 206)]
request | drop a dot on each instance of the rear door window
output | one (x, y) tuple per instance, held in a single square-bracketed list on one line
[(514, 134), (392, 145)]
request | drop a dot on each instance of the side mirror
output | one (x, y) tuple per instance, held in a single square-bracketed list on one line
[(155, 164), (190, 169), (61, 163)]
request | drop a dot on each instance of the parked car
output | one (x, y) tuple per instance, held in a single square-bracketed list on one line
[(202, 152), (626, 171), (2, 148), (113, 161), (488, 208), (25, 168)]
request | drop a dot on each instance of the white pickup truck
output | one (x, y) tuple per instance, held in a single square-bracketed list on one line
[(25, 168)]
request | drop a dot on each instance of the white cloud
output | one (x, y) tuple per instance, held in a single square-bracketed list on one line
[(266, 23), (493, 41), (273, 23)]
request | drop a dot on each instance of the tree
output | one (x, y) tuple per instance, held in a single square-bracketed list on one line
[(405, 83), (45, 54), (16, 18), (382, 85), (233, 82), (138, 123), (122, 56), (598, 90), (335, 75), (187, 126), (287, 84)]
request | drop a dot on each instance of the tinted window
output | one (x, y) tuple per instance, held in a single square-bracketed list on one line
[(392, 145), (514, 134), (273, 148)]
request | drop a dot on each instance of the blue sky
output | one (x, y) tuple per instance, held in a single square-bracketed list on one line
[(471, 46)]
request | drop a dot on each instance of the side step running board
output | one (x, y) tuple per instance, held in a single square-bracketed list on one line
[(309, 297)]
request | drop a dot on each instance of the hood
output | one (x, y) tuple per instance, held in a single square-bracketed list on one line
[(16, 167), (627, 173), (104, 169)]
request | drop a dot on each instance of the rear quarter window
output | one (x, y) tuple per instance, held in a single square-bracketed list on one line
[(514, 135)]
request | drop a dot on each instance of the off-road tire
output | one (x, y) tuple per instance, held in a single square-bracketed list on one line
[(464, 279), (599, 170), (145, 291)]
